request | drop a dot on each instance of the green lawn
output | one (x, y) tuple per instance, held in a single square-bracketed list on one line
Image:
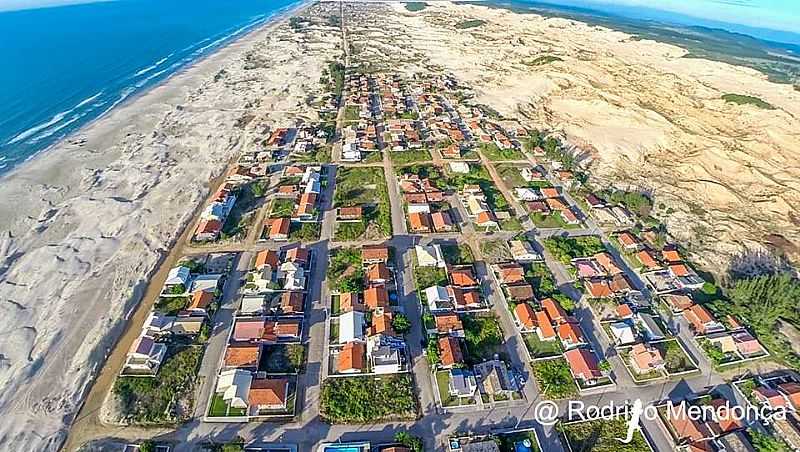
[(373, 157), (539, 348), (567, 248), (457, 254), (511, 224), (304, 232), (219, 408), (170, 305), (357, 186), (494, 153), (321, 155), (368, 399), (430, 276), (411, 156), (345, 272), (346, 232), (443, 383), (554, 378), (675, 359)]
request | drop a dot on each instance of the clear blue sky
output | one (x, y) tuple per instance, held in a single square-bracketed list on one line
[(781, 15)]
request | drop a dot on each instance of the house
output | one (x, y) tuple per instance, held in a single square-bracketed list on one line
[(430, 256), (268, 394), (267, 259), (419, 222), (747, 345), (459, 167), (187, 326), (438, 298), (598, 288), (286, 329), (449, 323), (607, 263), (678, 303), (493, 375), (463, 299), (242, 356), (510, 273), (450, 352), (248, 330), (647, 259), (463, 277), (554, 310), (297, 255), (442, 222), (349, 214), (701, 320), (689, 429), (279, 229), (462, 383), (252, 305), (629, 241), (352, 358), (200, 301), (525, 317), (624, 311), (770, 397), (349, 301), (376, 298), (291, 303), (583, 365), (144, 357), (791, 391), (671, 255), (571, 335), (622, 333), (378, 274), (234, 386), (620, 284), (538, 207), (526, 194), (529, 174), (544, 327), (382, 324), (520, 292), (594, 201), (372, 254), (723, 342), (646, 359), (486, 219), (385, 354), (569, 216), (550, 192), (522, 251), (351, 327), (177, 280), (208, 230)]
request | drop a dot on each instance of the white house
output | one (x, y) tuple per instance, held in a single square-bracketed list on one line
[(157, 324), (350, 153), (177, 276), (526, 194), (351, 327), (522, 251), (459, 167), (419, 208), (430, 256), (252, 305), (623, 333), (144, 357), (206, 283), (234, 386), (385, 354), (438, 298)]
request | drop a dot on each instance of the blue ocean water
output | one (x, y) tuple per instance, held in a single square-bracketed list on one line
[(65, 66)]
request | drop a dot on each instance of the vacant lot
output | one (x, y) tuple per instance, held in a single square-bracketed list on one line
[(368, 399), (364, 187)]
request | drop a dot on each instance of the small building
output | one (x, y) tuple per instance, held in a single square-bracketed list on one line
[(352, 358), (234, 387), (351, 327), (279, 229), (525, 317), (372, 254), (268, 394), (430, 256), (462, 383), (450, 352), (349, 214), (522, 251), (646, 359), (583, 365)]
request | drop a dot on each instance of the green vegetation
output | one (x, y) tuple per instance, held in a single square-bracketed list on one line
[(495, 251), (336, 71), (464, 24), (320, 155), (401, 323), (766, 443), (761, 302), (352, 113), (304, 232), (478, 175), (407, 439), (443, 384), (507, 440), (567, 248), (359, 186), (283, 358), (494, 153), (368, 399), (373, 157), (601, 436), (350, 231), (483, 337), (220, 408), (554, 378), (345, 272), (281, 208), (457, 254), (154, 401), (432, 351), (429, 276), (416, 6), (539, 348), (542, 60), (410, 156), (675, 359), (541, 279), (170, 305), (638, 203), (741, 99)]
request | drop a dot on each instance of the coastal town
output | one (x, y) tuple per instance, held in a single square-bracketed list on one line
[(410, 270)]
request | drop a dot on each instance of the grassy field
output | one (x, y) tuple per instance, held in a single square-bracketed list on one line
[(554, 378), (457, 254), (495, 251), (359, 186), (601, 436), (494, 153), (483, 337), (478, 175), (368, 399), (281, 208), (539, 348), (304, 232), (411, 156), (283, 358), (344, 269)]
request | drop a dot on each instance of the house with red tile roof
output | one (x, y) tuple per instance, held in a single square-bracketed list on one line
[(629, 241), (442, 222), (377, 274), (570, 334), (646, 359), (554, 310), (242, 356), (268, 394), (449, 323), (371, 254), (352, 358), (463, 277), (419, 222), (583, 365), (598, 288), (279, 229), (450, 352), (701, 321), (376, 297), (647, 259), (525, 317), (510, 273)]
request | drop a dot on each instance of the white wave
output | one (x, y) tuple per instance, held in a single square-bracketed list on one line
[(123, 95), (58, 117), (230, 35), (153, 66), (51, 131)]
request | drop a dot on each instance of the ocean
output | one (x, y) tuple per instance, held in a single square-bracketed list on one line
[(66, 66)]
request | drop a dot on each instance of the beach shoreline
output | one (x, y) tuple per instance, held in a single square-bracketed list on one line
[(49, 193)]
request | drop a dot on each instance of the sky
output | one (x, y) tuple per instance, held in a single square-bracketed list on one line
[(783, 15)]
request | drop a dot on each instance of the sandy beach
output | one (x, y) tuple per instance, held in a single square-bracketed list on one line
[(84, 227)]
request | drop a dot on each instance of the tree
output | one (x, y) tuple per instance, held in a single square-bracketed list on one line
[(605, 366), (412, 442), (432, 351), (766, 443), (147, 446), (401, 323)]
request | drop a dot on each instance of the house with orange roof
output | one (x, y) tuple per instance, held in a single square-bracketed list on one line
[(701, 321), (352, 358), (598, 288), (570, 334), (349, 301), (297, 254), (208, 230), (671, 255), (349, 214), (450, 352), (464, 299), (747, 345), (378, 274), (519, 293), (556, 204), (607, 262), (242, 356), (268, 394), (725, 420), (569, 216), (583, 366), (678, 302), (463, 277), (487, 220), (372, 254), (688, 429), (376, 297), (201, 300), (449, 323), (525, 317), (508, 274), (645, 359), (550, 192), (647, 259), (629, 242), (442, 222), (419, 222), (279, 229), (770, 397), (554, 310), (382, 324), (266, 258), (791, 391), (624, 311), (248, 330), (678, 270), (291, 303)]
